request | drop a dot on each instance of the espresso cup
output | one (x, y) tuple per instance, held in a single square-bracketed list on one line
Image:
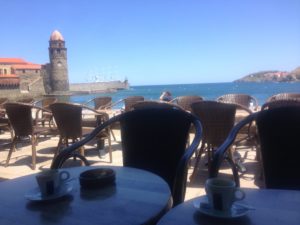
[(50, 181), (222, 193)]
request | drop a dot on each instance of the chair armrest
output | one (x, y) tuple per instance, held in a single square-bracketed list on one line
[(220, 151), (96, 112), (89, 101), (113, 104), (181, 174)]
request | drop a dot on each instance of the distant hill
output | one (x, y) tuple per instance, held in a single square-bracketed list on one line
[(272, 76)]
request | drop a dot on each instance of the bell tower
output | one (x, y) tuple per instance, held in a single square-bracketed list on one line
[(59, 79)]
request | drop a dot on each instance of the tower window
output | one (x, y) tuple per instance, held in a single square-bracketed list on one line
[(58, 51), (24, 71), (0, 71), (36, 71), (5, 71)]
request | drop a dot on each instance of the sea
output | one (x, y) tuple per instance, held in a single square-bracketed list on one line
[(209, 91)]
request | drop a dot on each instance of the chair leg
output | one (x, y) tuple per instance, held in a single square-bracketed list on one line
[(58, 147), (12, 148), (198, 156), (112, 133), (109, 149), (33, 143), (81, 150)]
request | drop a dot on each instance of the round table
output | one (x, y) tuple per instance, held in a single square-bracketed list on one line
[(138, 197), (272, 207)]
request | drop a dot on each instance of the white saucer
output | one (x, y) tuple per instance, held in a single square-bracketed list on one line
[(237, 210), (35, 194)]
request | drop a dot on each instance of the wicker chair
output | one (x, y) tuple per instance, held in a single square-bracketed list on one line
[(217, 120), (103, 102), (245, 100), (20, 118), (278, 131), (186, 101), (100, 103), (2, 108), (68, 118), (280, 103), (130, 101), (44, 116), (247, 136), (284, 96), (153, 139), (4, 123), (154, 104)]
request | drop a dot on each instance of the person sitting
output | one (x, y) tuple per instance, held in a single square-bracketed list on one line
[(166, 96)]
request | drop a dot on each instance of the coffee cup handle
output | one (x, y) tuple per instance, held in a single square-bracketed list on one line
[(241, 195), (64, 175)]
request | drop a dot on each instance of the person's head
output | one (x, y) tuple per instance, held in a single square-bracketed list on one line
[(167, 93)]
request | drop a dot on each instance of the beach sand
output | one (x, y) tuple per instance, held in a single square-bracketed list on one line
[(21, 159)]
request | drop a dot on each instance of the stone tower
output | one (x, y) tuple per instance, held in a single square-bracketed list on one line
[(59, 80)]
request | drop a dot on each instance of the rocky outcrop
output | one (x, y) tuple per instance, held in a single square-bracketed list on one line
[(272, 76)]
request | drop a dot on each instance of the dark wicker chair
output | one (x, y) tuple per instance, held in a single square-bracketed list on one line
[(154, 104), (280, 103), (4, 123), (284, 96), (130, 101), (45, 116), (186, 101), (101, 103), (20, 118), (247, 137), (2, 108), (68, 118), (217, 120), (245, 100), (278, 131), (153, 139)]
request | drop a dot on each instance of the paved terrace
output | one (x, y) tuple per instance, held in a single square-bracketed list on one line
[(21, 159)]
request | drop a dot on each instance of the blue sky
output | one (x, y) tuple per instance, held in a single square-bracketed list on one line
[(157, 41)]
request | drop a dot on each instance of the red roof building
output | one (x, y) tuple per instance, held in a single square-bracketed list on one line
[(11, 68)]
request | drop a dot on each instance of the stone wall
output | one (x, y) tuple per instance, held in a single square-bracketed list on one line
[(45, 73), (27, 77), (14, 94), (99, 86)]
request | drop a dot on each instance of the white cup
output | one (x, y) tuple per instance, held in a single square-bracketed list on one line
[(222, 193), (50, 181)]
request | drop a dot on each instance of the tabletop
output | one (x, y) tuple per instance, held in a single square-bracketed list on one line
[(271, 207), (138, 197)]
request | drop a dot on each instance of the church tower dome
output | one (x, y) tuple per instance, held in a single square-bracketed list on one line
[(58, 62), (56, 36)]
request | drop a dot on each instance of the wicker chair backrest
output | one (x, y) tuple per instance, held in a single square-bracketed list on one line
[(278, 130), (280, 103), (154, 104), (240, 99), (130, 101), (186, 101), (102, 102), (284, 96), (68, 118), (217, 120), (20, 118)]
